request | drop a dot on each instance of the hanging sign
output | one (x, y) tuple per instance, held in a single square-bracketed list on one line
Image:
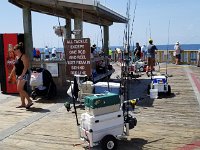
[(77, 55)]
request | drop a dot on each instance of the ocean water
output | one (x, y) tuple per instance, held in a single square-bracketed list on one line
[(183, 46), (160, 47), (168, 47)]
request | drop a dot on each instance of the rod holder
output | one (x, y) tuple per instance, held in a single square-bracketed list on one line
[(127, 129)]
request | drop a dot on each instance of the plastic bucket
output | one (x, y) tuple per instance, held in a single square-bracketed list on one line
[(153, 93)]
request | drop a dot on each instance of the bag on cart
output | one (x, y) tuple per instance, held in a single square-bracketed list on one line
[(47, 88), (36, 79)]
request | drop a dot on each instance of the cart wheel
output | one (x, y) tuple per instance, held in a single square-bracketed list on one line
[(141, 69), (169, 90), (148, 89), (109, 142)]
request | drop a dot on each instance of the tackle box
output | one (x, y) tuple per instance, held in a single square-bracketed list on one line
[(102, 87), (94, 128), (98, 104)]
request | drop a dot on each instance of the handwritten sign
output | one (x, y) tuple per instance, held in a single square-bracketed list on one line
[(77, 55)]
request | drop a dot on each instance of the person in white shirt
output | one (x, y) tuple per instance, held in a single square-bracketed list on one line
[(144, 52), (54, 52), (46, 52), (177, 51)]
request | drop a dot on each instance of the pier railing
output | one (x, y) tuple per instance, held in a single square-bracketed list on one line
[(187, 56)]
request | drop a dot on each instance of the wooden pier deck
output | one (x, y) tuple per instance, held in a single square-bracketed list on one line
[(166, 123), (169, 123)]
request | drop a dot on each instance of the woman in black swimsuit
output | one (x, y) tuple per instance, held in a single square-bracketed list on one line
[(22, 74)]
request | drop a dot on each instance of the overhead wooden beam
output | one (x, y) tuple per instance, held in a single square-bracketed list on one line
[(90, 17), (89, 12)]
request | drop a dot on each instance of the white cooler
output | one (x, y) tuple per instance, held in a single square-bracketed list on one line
[(160, 83), (95, 128), (102, 87)]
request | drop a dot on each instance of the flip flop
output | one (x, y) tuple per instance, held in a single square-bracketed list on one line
[(20, 106), (28, 106)]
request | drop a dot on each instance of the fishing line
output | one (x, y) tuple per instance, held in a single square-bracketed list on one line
[(133, 20), (167, 48), (125, 30), (149, 29)]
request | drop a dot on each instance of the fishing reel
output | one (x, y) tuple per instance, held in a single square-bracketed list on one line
[(129, 116), (131, 120), (132, 103)]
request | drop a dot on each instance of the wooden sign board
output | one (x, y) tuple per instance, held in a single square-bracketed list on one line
[(77, 55)]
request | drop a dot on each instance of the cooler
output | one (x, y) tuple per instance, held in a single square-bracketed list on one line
[(99, 104), (101, 87), (159, 79), (95, 128), (160, 83)]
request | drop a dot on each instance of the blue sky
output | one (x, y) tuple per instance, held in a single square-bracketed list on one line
[(151, 15)]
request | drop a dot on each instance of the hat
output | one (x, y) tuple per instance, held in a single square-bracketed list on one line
[(177, 43), (150, 40)]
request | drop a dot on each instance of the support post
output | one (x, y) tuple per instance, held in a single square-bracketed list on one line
[(189, 57), (78, 25), (28, 39), (106, 39), (68, 29)]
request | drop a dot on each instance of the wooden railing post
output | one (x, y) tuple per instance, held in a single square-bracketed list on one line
[(159, 56), (172, 56), (189, 57)]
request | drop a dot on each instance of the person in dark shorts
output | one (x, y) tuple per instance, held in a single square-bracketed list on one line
[(151, 51), (137, 52), (22, 74)]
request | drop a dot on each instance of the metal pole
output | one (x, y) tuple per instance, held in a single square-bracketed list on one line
[(167, 48)]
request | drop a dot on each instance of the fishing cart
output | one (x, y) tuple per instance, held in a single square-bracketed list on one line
[(105, 120)]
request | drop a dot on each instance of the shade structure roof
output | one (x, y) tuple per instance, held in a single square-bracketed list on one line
[(90, 11)]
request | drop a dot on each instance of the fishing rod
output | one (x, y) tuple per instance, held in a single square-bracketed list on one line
[(149, 29), (150, 38), (167, 49), (133, 20), (126, 64)]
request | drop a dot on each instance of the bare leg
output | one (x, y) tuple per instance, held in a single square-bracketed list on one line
[(148, 66), (23, 93), (21, 96), (177, 61), (22, 100)]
